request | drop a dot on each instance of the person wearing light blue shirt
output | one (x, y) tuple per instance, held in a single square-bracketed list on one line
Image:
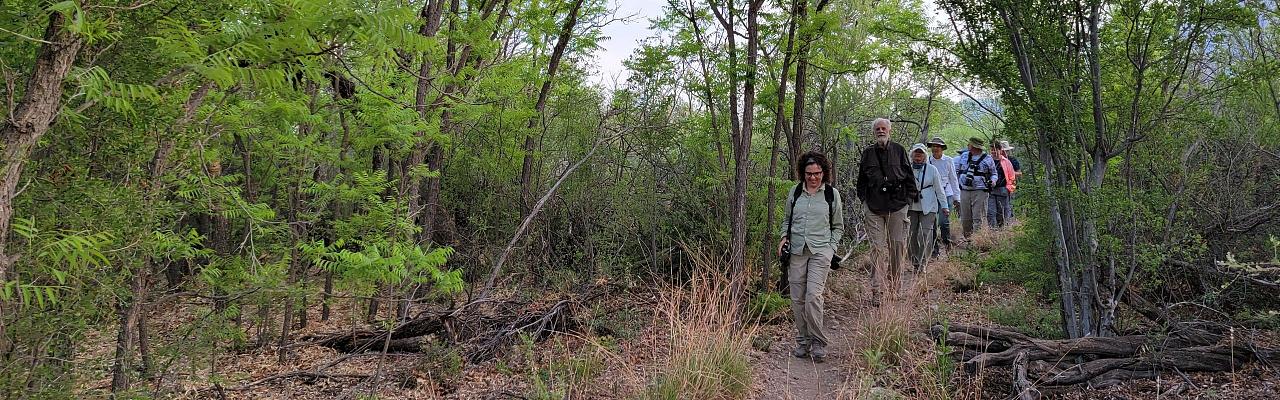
[(977, 173), (924, 209)]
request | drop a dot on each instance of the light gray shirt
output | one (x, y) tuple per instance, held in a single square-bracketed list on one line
[(947, 169), (814, 224), (932, 196)]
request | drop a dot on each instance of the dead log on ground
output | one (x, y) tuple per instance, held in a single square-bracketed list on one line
[(486, 332), (404, 338), (1022, 388), (1097, 361)]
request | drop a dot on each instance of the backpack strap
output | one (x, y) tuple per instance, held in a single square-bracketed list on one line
[(795, 195), (828, 193)]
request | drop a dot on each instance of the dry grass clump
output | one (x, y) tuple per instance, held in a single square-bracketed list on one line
[(708, 339), (986, 239), (896, 358)]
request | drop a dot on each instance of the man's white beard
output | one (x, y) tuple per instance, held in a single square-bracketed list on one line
[(882, 140)]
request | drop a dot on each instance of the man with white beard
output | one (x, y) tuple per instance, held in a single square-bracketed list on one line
[(886, 186)]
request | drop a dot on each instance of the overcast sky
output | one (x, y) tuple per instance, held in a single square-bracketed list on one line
[(623, 38)]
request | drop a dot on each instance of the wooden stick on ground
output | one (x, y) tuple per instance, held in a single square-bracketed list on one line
[(1022, 388)]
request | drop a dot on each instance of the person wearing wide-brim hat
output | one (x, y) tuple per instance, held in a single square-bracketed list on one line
[(976, 173), (947, 170)]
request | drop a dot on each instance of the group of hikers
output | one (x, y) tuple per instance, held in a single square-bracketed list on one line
[(909, 196)]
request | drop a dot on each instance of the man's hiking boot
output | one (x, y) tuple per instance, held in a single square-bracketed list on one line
[(818, 353), (801, 351)]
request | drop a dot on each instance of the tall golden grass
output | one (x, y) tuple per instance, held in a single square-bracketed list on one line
[(895, 358), (708, 337)]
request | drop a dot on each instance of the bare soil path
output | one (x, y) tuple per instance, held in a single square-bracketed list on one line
[(779, 375)]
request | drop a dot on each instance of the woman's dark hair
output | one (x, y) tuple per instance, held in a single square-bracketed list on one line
[(814, 157)]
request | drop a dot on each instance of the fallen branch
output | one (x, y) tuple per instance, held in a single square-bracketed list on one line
[(538, 326), (310, 376), (489, 333), (537, 207), (1022, 388), (403, 338), (1097, 361)]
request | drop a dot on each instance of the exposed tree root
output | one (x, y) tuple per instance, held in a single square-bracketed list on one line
[(1096, 361)]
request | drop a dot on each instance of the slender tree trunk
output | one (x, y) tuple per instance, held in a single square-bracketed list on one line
[(832, 147), (128, 311), (132, 318), (293, 275), (742, 123), (928, 111), (796, 140), (562, 43), (410, 186), (742, 150), (297, 268), (30, 120), (779, 113), (340, 212), (144, 343), (435, 162), (1059, 222), (371, 312), (286, 317)]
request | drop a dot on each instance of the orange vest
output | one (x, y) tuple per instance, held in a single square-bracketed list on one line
[(1010, 177)]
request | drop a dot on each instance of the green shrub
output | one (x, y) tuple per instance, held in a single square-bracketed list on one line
[(767, 306), (1028, 317), (1023, 261)]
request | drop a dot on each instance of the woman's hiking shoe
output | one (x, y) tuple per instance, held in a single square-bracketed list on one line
[(818, 353), (801, 351)]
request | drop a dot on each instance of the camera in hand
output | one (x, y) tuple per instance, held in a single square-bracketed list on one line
[(889, 186)]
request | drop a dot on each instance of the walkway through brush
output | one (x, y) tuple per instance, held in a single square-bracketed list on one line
[(779, 375), (1033, 366), (852, 323)]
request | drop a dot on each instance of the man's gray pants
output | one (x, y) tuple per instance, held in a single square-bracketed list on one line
[(807, 276), (998, 208), (921, 247), (973, 206)]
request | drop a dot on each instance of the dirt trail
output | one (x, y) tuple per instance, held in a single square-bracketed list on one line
[(779, 375)]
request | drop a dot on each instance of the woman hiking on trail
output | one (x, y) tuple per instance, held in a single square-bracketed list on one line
[(814, 222)]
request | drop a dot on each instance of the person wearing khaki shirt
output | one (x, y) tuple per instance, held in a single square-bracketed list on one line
[(811, 229)]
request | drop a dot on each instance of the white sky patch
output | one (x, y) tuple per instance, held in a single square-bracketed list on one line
[(623, 39)]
